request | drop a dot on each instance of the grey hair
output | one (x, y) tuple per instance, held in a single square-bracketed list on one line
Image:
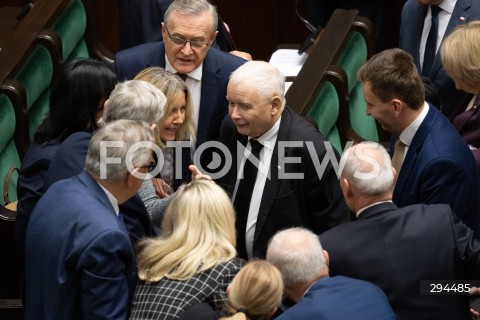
[(135, 100), (268, 80), (368, 168), (192, 8), (114, 141), (298, 254)]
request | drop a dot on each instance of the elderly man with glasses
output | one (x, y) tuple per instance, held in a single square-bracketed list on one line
[(188, 30)]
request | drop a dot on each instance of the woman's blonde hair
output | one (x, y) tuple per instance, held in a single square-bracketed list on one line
[(171, 85), (460, 53), (198, 232), (255, 292)]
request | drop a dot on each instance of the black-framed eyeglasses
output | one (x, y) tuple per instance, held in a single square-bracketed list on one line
[(150, 167), (182, 41)]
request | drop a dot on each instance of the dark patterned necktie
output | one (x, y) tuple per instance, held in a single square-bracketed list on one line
[(182, 76), (244, 196)]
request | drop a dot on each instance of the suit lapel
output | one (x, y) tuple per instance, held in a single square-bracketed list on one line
[(459, 16), (208, 101), (412, 154), (271, 185), (420, 14)]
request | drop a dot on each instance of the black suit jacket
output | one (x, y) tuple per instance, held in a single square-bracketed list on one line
[(217, 67), (313, 203), (411, 28), (397, 248)]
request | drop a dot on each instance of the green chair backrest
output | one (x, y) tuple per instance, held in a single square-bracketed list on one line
[(324, 111), (36, 76), (351, 58), (9, 158), (71, 26)]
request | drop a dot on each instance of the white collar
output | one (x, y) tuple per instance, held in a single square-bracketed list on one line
[(195, 74)]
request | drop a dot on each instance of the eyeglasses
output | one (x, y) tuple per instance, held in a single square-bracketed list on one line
[(150, 167), (181, 41)]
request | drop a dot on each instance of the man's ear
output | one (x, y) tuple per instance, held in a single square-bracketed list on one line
[(212, 38), (397, 106), (327, 257), (276, 104)]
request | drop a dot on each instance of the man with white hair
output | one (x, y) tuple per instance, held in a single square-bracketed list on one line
[(296, 184), (299, 256), (402, 250)]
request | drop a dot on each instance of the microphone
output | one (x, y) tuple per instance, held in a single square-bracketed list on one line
[(312, 37)]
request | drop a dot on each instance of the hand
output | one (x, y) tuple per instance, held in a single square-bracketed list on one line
[(197, 175)]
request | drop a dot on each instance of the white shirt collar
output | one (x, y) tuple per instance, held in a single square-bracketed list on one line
[(269, 138), (195, 74), (111, 198), (407, 135), (370, 205), (448, 5)]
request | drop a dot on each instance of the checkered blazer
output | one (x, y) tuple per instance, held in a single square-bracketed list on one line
[(166, 298)]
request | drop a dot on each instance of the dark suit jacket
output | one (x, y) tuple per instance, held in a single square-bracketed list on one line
[(30, 187), (316, 204), (411, 28), (70, 161), (217, 67), (80, 263), (341, 298), (397, 248), (440, 168)]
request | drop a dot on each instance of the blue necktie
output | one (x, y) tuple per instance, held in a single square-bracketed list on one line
[(431, 44)]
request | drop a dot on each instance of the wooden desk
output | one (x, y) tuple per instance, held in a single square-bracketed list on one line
[(17, 37)]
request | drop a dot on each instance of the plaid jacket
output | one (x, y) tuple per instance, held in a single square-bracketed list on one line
[(167, 298)]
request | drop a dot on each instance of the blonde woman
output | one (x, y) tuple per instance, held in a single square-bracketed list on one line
[(254, 293), (193, 260), (175, 125)]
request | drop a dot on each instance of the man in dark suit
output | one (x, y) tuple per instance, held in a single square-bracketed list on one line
[(398, 248), (296, 184), (414, 29), (299, 256), (80, 263), (438, 167), (189, 30)]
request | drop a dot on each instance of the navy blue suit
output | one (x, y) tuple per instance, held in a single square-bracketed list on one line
[(411, 28), (313, 202), (341, 298), (70, 160), (80, 263), (217, 67), (31, 186), (440, 168), (397, 248)]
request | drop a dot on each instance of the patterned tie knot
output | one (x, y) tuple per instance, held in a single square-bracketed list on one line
[(182, 76)]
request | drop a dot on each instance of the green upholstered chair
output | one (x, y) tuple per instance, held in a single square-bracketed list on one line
[(36, 76), (351, 58), (324, 111), (71, 26), (9, 157)]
